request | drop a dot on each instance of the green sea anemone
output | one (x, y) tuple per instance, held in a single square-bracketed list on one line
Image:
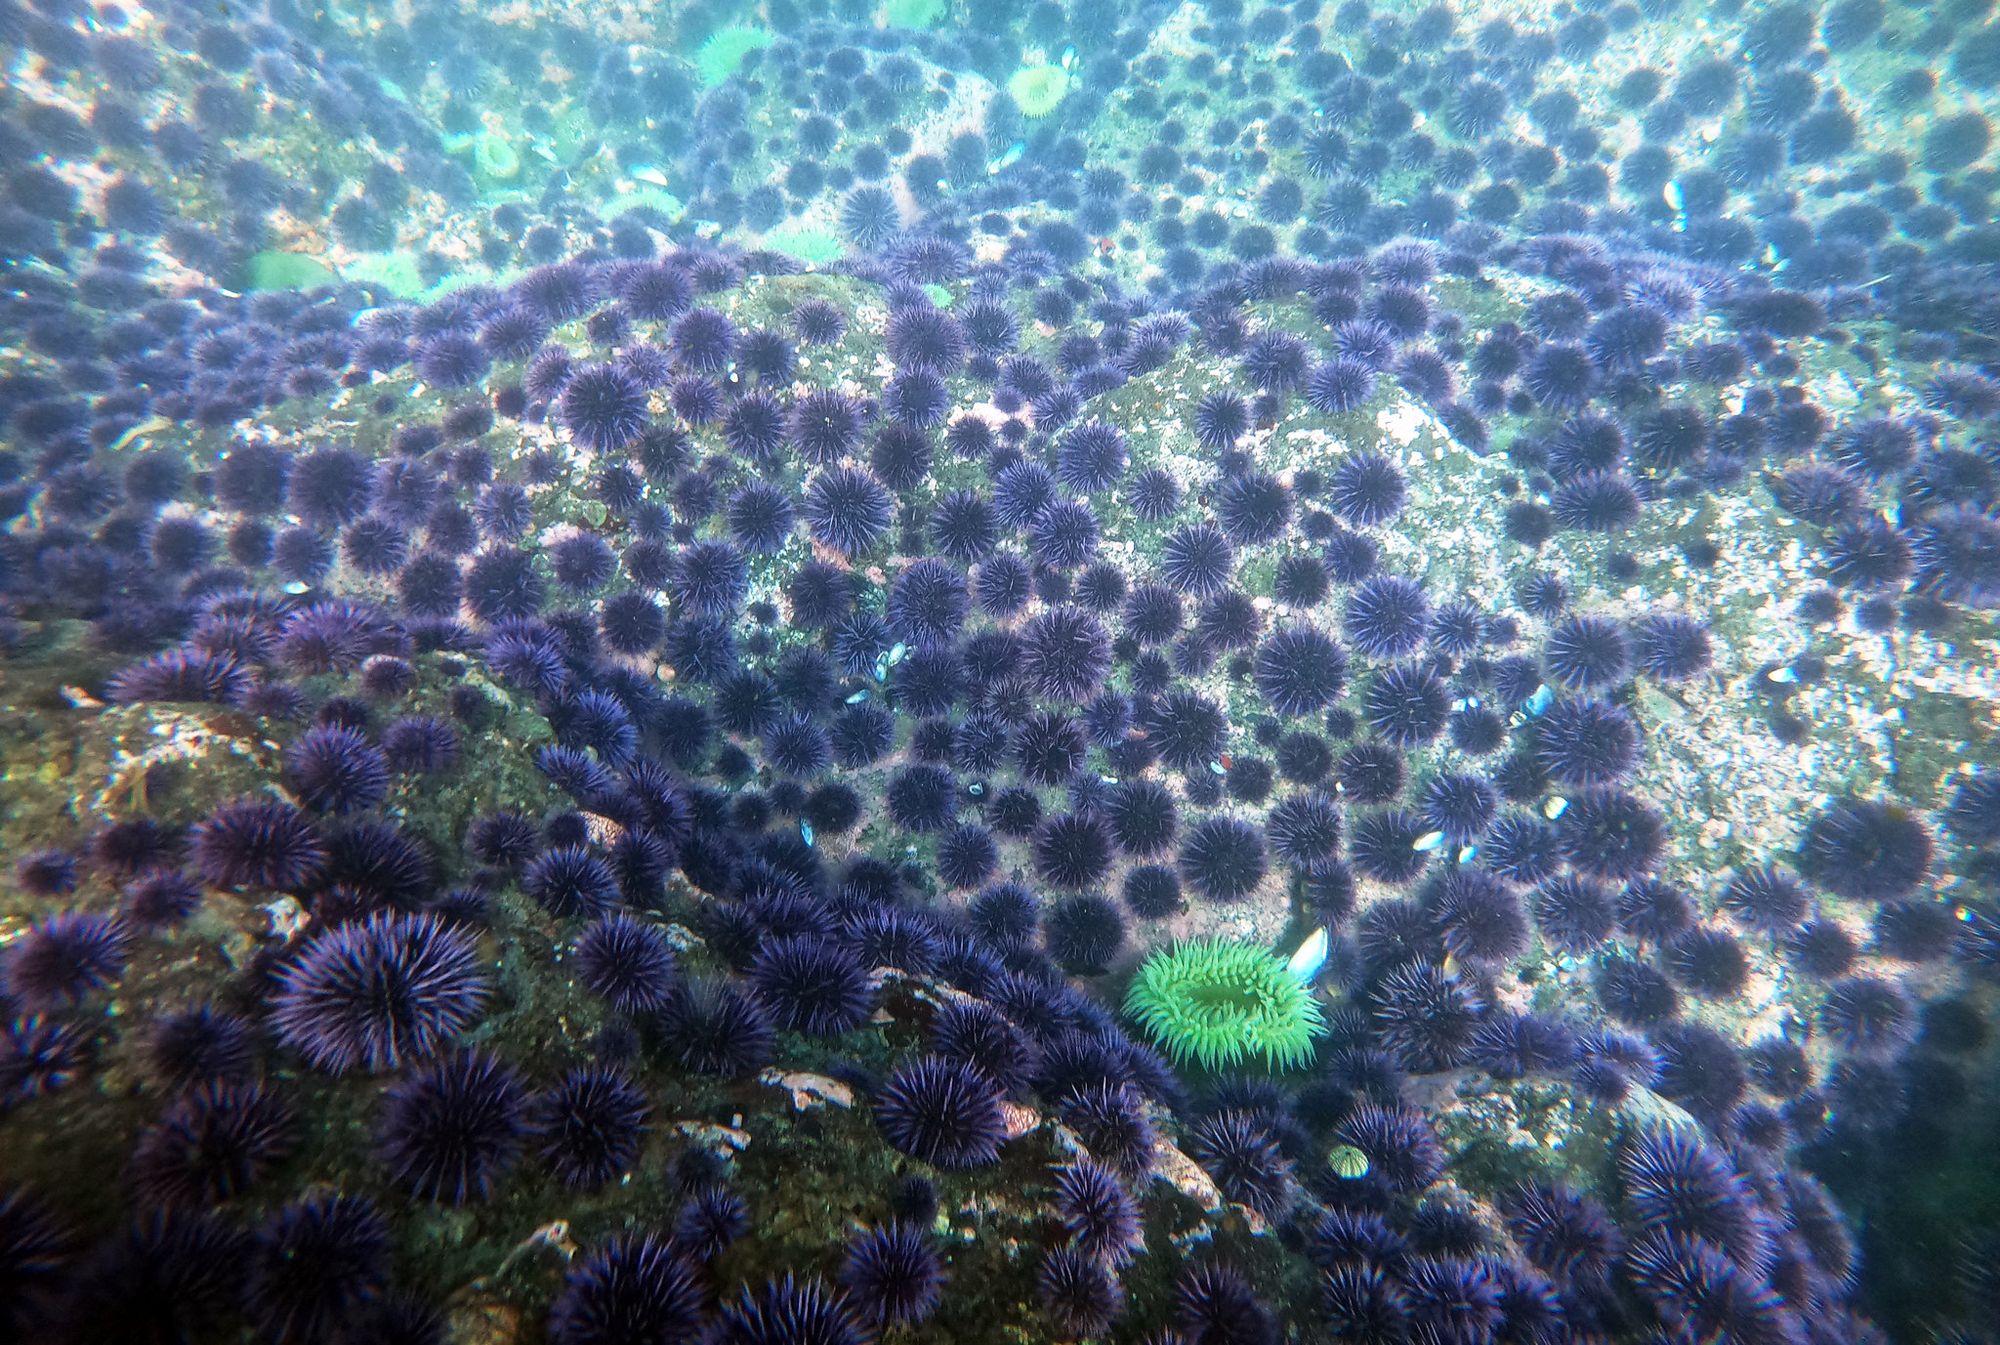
[(394, 272), (725, 49), (1219, 1002), (805, 243), (645, 198), (496, 160), (1038, 89), (913, 13)]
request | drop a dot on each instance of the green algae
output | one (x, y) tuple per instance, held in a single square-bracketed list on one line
[(1499, 1135), (68, 769)]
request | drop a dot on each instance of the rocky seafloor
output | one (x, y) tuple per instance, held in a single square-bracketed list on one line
[(999, 672)]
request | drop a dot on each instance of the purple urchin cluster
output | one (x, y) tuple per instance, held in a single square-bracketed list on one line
[(473, 710)]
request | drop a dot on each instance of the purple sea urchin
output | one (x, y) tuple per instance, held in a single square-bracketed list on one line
[(372, 994), (1867, 851), (893, 1274), (449, 1129), (636, 1287), (942, 1112)]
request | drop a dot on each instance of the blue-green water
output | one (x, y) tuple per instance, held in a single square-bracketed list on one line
[(979, 671)]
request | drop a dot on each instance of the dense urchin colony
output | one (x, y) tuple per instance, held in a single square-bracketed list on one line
[(986, 670)]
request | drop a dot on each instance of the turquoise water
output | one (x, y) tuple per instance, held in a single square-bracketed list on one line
[(999, 672)]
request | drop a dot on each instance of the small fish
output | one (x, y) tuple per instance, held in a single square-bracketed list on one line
[(858, 697), (1468, 853), (805, 831), (1543, 698), (1427, 842), (1215, 768), (897, 653), (1555, 808), (1311, 956), (1782, 676), (150, 425), (1008, 159), (650, 175), (1068, 58)]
